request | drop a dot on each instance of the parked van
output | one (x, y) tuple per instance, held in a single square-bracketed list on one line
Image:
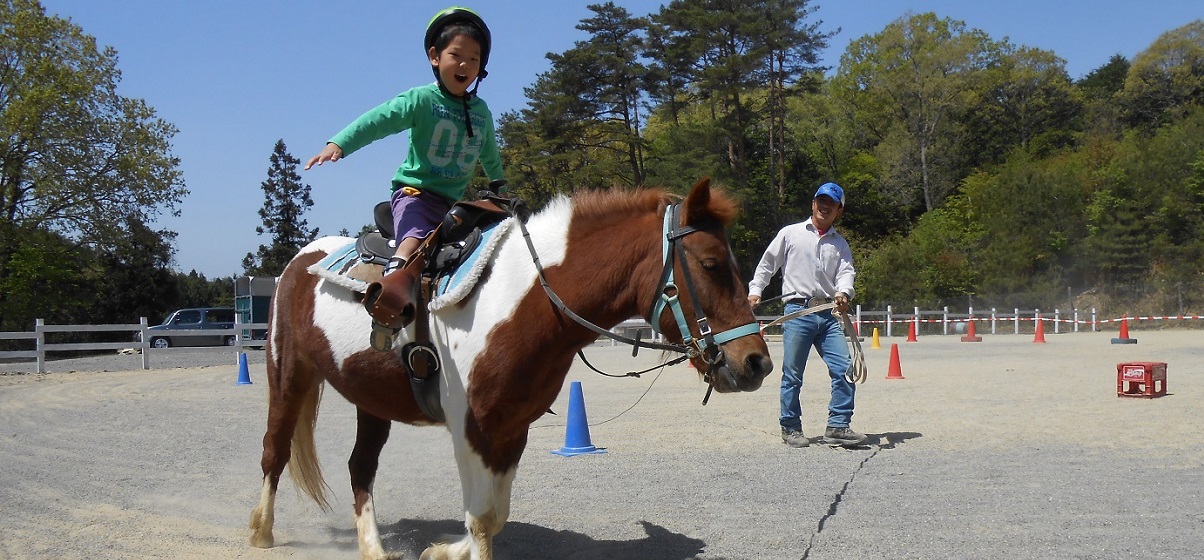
[(218, 320)]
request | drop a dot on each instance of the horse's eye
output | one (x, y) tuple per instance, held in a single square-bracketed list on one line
[(710, 264)]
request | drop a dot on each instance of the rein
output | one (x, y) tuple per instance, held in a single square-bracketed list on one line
[(707, 346)]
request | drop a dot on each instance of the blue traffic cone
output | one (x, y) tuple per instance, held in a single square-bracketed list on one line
[(576, 434), (244, 377)]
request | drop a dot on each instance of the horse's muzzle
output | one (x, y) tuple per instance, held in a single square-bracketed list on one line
[(747, 376)]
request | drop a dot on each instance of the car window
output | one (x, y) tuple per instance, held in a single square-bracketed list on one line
[(188, 317), (219, 316)]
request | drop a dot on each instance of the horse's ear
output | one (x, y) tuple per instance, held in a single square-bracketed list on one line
[(704, 204), (698, 202)]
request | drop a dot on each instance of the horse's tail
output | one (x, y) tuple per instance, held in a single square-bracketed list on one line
[(303, 464)]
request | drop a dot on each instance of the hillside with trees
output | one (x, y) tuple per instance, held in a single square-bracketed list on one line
[(978, 171)]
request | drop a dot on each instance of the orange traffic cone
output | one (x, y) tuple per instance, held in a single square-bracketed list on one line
[(893, 371), (875, 343), (911, 332), (1124, 332), (1040, 336), (970, 335)]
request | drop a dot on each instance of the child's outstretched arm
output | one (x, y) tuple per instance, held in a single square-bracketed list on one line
[(332, 152)]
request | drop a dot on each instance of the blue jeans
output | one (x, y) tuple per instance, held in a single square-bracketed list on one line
[(823, 331)]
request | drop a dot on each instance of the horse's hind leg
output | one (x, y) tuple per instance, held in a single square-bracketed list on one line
[(370, 437), (290, 389)]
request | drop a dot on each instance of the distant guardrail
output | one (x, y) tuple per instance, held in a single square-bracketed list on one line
[(942, 320), (42, 347)]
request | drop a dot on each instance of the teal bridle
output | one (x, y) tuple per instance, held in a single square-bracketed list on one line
[(707, 344)]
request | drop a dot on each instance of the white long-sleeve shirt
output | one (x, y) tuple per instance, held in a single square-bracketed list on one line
[(812, 266)]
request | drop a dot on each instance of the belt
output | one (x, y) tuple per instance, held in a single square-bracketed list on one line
[(809, 301)]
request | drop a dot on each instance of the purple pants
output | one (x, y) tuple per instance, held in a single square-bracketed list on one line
[(417, 215)]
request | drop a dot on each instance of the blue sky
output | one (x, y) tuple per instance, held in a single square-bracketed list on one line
[(235, 76)]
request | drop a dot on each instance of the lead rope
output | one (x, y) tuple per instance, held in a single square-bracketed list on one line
[(857, 372)]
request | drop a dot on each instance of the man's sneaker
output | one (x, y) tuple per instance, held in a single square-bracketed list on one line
[(842, 436), (795, 438)]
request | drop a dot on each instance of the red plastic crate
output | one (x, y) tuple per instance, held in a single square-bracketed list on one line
[(1141, 379)]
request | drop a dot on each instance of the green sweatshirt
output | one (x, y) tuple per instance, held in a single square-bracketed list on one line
[(442, 157)]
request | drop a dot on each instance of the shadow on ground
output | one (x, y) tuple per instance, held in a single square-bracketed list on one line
[(889, 440), (532, 542)]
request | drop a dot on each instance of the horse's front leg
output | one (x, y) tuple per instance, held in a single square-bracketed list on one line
[(370, 437), (486, 506)]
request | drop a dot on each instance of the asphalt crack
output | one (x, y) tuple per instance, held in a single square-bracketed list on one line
[(834, 507)]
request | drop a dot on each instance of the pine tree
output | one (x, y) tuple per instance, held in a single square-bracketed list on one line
[(285, 200)]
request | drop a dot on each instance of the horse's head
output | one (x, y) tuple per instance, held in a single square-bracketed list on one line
[(732, 355)]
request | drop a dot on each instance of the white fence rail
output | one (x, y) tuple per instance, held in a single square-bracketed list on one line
[(242, 339), (941, 319)]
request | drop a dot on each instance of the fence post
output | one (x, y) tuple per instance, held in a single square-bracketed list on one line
[(1076, 319), (1036, 317), (237, 336), (945, 320), (1094, 324), (994, 318), (1016, 318), (1057, 316), (888, 321), (858, 324), (916, 318), (144, 344), (41, 344)]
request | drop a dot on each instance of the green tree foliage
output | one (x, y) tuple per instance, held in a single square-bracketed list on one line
[(734, 56), (1167, 79), (1026, 101), (582, 125), (198, 291), (1101, 112), (132, 277), (909, 83), (82, 169), (977, 170), (285, 201)]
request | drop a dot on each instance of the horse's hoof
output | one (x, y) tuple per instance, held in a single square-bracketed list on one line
[(260, 538), (262, 541), (435, 552)]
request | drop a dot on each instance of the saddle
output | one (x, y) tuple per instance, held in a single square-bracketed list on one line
[(441, 253), (454, 241)]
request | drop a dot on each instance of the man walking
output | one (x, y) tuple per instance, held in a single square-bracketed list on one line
[(817, 267)]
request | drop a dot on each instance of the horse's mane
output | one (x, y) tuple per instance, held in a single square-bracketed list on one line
[(601, 203)]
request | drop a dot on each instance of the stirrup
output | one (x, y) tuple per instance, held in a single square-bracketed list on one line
[(395, 263), (381, 337), (392, 309)]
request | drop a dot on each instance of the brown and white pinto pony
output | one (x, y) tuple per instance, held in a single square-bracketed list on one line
[(506, 349)]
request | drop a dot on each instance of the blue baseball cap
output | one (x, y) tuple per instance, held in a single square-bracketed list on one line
[(832, 191)]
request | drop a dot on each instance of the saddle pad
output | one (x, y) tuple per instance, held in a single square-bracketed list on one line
[(450, 289), (336, 266)]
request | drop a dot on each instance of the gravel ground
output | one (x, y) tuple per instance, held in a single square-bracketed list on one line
[(1000, 449)]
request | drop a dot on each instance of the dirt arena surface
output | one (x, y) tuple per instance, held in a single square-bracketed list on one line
[(999, 449)]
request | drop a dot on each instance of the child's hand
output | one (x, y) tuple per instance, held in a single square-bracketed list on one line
[(332, 152)]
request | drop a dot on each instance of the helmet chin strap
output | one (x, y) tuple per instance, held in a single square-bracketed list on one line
[(468, 95)]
